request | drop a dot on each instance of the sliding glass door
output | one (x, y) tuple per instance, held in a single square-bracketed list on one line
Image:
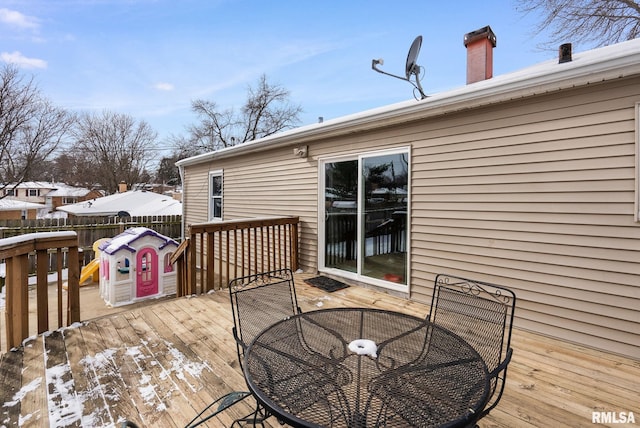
[(365, 212)]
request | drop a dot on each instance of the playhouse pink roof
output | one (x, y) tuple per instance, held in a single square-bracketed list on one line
[(126, 239)]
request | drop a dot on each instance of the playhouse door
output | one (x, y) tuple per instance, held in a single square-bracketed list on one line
[(146, 272)]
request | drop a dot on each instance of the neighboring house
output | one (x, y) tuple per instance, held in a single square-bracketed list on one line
[(67, 195), (51, 194), (10, 209), (528, 179), (132, 203)]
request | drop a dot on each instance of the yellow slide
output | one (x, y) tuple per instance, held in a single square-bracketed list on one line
[(92, 270), (88, 271)]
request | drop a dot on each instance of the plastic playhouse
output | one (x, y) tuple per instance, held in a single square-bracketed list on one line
[(135, 265)]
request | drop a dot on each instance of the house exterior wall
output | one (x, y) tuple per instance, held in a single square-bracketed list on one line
[(536, 194), (17, 214)]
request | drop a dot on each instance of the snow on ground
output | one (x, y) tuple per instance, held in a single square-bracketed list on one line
[(52, 278), (66, 405)]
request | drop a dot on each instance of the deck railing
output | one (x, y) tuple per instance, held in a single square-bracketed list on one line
[(216, 252), (15, 252)]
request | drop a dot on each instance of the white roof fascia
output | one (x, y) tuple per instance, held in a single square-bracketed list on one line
[(595, 66)]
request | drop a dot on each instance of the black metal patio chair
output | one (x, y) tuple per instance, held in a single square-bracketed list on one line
[(257, 301), (482, 314)]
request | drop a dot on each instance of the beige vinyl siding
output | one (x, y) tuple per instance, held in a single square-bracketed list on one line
[(535, 194), (270, 184), (195, 199), (538, 196)]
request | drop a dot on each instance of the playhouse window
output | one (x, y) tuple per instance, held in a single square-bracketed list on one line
[(215, 195), (122, 268), (105, 269), (168, 267)]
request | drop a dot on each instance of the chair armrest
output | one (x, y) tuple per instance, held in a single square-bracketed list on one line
[(503, 365), (237, 338)]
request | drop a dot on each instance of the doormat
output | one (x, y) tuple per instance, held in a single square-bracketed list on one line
[(327, 284)]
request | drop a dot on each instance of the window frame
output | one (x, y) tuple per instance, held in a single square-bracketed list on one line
[(212, 198)]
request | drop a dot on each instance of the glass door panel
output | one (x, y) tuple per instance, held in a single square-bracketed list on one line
[(384, 217), (365, 216), (341, 211)]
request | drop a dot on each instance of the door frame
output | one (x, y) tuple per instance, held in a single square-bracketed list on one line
[(357, 276)]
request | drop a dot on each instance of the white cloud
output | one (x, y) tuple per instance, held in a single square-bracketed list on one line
[(163, 86), (17, 19), (22, 61)]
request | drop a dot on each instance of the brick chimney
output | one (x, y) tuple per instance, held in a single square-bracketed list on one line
[(480, 44), (122, 187)]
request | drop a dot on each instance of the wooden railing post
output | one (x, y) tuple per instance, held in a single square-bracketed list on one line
[(294, 247), (73, 283), (42, 294), (192, 268), (17, 299)]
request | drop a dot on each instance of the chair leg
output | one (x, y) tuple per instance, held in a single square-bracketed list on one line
[(218, 406), (255, 418)]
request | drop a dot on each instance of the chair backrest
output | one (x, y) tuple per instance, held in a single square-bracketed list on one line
[(479, 312), (260, 300)]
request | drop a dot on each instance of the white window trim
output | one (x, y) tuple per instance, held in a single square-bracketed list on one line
[(215, 173)]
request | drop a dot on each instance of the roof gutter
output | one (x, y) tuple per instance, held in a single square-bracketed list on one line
[(599, 65)]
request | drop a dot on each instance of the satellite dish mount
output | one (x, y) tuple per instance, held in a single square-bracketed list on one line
[(411, 67)]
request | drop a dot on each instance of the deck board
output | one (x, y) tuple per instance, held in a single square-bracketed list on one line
[(158, 365)]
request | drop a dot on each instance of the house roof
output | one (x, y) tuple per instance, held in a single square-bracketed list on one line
[(69, 191), (35, 185), (126, 239), (589, 67), (7, 204), (55, 189), (134, 202)]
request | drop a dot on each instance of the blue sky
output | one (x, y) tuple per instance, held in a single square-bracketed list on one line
[(151, 58)]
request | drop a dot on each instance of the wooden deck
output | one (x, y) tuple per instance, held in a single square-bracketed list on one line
[(158, 365)]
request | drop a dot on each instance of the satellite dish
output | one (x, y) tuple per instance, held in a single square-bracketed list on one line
[(411, 67), (414, 50)]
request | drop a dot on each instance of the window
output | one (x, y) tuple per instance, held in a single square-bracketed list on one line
[(33, 192), (10, 192), (122, 269), (215, 195), (168, 267), (364, 215)]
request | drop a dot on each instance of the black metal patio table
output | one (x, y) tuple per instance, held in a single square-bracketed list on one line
[(360, 367)]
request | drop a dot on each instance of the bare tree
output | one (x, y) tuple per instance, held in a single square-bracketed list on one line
[(117, 147), (74, 168), (601, 22), (266, 112), (31, 128)]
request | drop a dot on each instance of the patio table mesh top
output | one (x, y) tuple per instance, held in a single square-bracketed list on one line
[(409, 372)]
